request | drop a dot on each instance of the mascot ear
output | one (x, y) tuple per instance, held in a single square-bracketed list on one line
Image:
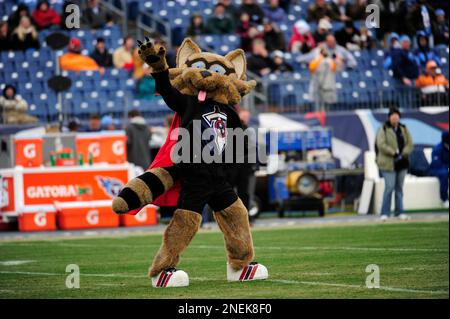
[(237, 58), (187, 48)]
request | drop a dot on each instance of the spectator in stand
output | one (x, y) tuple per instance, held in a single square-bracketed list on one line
[(433, 86), (393, 44), (441, 33), (232, 11), (74, 60), (332, 49), (101, 54), (320, 10), (95, 123), (394, 145), (279, 65), (138, 140), (145, 88), (273, 37), (392, 16), (356, 10), (108, 123), (123, 56), (196, 27), (14, 18), (259, 61), (273, 12), (96, 17), (6, 43), (219, 23), (366, 41), (302, 40), (25, 35), (322, 88), (340, 9), (404, 64), (247, 32), (44, 16), (74, 125), (13, 108), (439, 166), (423, 52), (253, 10), (421, 16), (323, 29), (349, 36)]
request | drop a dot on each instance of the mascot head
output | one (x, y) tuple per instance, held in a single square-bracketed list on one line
[(211, 76)]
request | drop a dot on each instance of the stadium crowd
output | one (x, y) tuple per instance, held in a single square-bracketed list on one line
[(409, 32)]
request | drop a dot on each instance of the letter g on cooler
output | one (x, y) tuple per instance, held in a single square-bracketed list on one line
[(40, 219), (118, 148), (93, 217), (29, 151)]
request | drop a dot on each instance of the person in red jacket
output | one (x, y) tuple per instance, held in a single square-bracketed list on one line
[(44, 16)]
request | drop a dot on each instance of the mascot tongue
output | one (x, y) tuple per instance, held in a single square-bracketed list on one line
[(201, 96)]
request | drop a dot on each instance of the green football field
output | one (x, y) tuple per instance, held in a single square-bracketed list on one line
[(305, 262)]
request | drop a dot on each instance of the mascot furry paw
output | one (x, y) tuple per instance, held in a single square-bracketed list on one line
[(203, 88)]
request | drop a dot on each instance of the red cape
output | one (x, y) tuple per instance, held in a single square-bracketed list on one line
[(162, 159)]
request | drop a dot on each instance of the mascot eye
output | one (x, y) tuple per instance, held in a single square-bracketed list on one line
[(198, 65), (218, 69)]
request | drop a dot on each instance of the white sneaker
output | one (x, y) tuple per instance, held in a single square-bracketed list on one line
[(384, 218), (170, 277), (445, 204), (404, 217), (254, 271)]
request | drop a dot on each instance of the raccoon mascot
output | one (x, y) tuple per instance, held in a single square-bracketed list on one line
[(202, 89)]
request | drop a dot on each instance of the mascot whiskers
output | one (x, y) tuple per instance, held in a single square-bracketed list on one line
[(203, 89)]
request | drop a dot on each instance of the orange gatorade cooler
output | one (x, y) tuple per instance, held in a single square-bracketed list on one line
[(37, 219), (80, 215), (90, 147), (28, 152), (147, 216), (113, 149)]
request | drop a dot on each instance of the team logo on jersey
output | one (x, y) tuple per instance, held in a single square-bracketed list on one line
[(109, 185), (218, 121)]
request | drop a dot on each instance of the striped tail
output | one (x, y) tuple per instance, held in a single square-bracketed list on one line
[(142, 190)]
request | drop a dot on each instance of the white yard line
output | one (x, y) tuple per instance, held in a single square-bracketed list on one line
[(354, 248), (280, 281)]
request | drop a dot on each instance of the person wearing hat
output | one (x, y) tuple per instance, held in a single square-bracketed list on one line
[(441, 33), (13, 108), (323, 29), (45, 16), (424, 52), (439, 166), (433, 85), (279, 65), (404, 63), (393, 146), (349, 36), (302, 40), (101, 55), (74, 60)]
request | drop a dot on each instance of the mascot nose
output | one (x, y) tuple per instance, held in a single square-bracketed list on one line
[(205, 74)]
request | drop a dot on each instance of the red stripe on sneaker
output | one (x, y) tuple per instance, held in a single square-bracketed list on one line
[(253, 272), (163, 280), (248, 272), (243, 273), (167, 280), (160, 278)]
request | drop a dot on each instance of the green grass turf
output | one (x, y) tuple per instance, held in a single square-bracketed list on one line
[(306, 262)]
